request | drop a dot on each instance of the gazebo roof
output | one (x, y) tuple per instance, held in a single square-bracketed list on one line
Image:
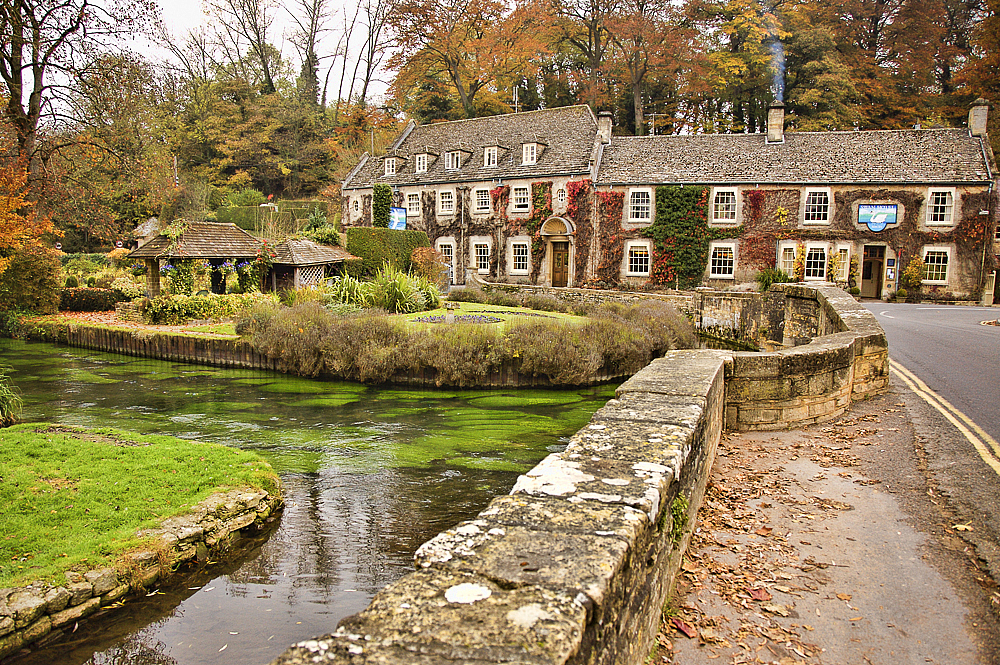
[(202, 240), (301, 252)]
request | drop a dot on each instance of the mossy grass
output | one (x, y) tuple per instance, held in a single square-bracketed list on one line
[(213, 329), (76, 498), (506, 315)]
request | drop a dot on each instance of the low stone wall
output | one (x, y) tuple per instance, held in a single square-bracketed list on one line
[(37, 611), (681, 300)]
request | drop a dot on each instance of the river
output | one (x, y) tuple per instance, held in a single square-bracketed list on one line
[(368, 475)]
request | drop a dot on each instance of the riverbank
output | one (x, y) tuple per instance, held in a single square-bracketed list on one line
[(94, 515)]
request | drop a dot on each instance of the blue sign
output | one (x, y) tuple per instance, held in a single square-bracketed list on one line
[(397, 219), (877, 216)]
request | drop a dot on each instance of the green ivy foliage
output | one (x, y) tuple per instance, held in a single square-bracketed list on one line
[(681, 235), (31, 281), (376, 246), (381, 202)]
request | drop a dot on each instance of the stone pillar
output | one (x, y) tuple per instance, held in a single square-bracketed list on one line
[(152, 277), (604, 127)]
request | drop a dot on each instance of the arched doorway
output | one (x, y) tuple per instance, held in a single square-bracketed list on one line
[(557, 233)]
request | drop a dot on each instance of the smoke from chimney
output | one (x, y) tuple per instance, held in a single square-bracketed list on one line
[(778, 65)]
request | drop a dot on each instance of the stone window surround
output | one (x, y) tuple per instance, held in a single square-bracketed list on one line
[(954, 206), (411, 209), (829, 211), (529, 154), (844, 268), (825, 246), (639, 221), (782, 248), (491, 156), (474, 243), (390, 166), (513, 199), (711, 207), (721, 244), (441, 210), (524, 241), (944, 249), (476, 201), (629, 246), (420, 163)]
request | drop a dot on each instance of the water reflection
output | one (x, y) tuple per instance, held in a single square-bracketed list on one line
[(368, 475)]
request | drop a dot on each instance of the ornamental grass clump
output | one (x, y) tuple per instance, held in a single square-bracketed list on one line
[(462, 355), (369, 347), (10, 401)]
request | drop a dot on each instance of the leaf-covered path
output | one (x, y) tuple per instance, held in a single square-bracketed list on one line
[(830, 545)]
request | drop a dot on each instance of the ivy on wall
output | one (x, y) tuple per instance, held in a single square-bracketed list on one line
[(610, 235), (681, 235), (578, 210), (381, 202)]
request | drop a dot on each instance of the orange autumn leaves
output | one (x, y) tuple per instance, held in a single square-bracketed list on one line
[(20, 225)]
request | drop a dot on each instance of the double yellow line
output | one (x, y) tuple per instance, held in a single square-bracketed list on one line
[(984, 444)]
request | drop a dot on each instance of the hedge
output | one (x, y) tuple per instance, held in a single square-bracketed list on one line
[(88, 300), (376, 246), (247, 217), (172, 310)]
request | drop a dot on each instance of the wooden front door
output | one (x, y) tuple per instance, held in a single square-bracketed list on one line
[(560, 263), (871, 271)]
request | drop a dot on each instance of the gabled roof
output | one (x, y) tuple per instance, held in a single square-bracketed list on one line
[(567, 132), (301, 252), (929, 156), (202, 240)]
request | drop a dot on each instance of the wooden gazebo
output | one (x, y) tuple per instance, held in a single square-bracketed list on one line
[(209, 241), (299, 262)]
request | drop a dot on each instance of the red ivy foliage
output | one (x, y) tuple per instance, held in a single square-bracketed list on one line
[(610, 234)]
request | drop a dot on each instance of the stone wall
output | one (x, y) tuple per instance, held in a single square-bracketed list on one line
[(39, 610), (575, 565)]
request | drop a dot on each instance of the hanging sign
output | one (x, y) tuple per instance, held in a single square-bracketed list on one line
[(397, 219), (877, 216)]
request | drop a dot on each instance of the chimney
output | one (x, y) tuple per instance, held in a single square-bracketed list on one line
[(604, 126), (977, 117), (776, 123)]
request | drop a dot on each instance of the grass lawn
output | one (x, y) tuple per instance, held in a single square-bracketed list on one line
[(74, 497), (213, 328), (495, 315)]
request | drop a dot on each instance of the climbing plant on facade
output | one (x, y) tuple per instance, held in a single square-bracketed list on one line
[(381, 202), (610, 235)]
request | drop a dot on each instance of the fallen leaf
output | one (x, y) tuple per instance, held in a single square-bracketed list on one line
[(856, 619), (844, 596), (764, 531), (224, 647), (760, 594), (962, 527), (683, 627), (775, 608)]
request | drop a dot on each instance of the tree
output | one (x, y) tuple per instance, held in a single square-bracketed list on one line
[(583, 24), (475, 44), (20, 225), (45, 38), (245, 28)]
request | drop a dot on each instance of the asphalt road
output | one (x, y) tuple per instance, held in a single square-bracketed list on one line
[(946, 364)]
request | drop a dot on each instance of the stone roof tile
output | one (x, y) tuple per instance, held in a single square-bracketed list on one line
[(886, 156), (202, 240), (301, 252), (567, 133)]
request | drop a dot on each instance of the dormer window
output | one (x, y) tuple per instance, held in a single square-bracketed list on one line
[(420, 163), (453, 160), (529, 153), (390, 166), (490, 156)]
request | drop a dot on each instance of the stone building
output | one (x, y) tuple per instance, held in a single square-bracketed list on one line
[(551, 197)]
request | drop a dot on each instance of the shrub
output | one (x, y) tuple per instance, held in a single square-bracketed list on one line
[(172, 310), (324, 235), (89, 300), (502, 299), (467, 295), (246, 197), (543, 303), (395, 291), (10, 401), (431, 265), (462, 355), (128, 289), (565, 354), (381, 202), (900, 295), (370, 347), (350, 291), (31, 280), (379, 246), (72, 282), (913, 276), (306, 294), (91, 282), (116, 257), (768, 276)]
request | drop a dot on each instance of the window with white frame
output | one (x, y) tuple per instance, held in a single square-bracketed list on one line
[(482, 200), (447, 250), (413, 204), (936, 265), (940, 207), (529, 153), (722, 261), (724, 206), (420, 163), (357, 205), (561, 197), (522, 203), (638, 259), (482, 253), (446, 203), (453, 160), (787, 262), (490, 156), (815, 262), (640, 206), (817, 207), (519, 258), (843, 264), (390, 166)]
